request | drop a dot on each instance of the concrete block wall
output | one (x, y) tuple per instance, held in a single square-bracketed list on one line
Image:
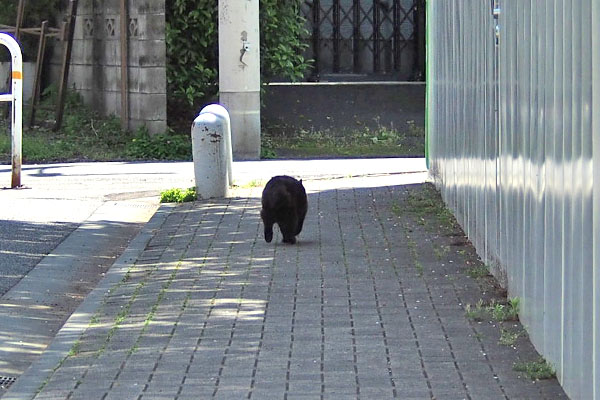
[(95, 70)]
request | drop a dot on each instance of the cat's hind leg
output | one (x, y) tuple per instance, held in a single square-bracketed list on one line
[(268, 222), (288, 230)]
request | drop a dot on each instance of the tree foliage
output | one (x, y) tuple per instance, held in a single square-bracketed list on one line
[(281, 31), (35, 12), (191, 38), (192, 45)]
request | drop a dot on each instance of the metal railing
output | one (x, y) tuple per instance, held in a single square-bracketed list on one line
[(15, 97)]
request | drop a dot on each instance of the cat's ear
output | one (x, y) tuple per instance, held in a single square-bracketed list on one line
[(300, 180)]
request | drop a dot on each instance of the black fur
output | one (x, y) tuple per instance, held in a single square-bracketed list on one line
[(284, 203)]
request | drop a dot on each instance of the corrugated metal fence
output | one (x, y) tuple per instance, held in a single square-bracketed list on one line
[(514, 145)]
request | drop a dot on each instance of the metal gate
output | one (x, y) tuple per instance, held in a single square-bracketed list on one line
[(366, 39)]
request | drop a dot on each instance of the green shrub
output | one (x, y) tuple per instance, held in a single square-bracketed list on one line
[(178, 195), (192, 45), (281, 40), (191, 38), (159, 147), (35, 12)]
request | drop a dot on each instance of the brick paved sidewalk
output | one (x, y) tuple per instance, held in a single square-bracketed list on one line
[(363, 307)]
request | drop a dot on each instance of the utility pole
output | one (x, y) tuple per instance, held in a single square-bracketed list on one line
[(239, 74)]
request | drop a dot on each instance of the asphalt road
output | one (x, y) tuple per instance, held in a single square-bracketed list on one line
[(24, 244), (58, 198)]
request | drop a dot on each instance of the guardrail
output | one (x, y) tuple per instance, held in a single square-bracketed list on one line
[(15, 97)]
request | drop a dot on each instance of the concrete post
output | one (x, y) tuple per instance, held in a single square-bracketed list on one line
[(211, 151), (239, 74)]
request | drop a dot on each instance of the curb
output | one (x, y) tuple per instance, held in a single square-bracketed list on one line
[(28, 384)]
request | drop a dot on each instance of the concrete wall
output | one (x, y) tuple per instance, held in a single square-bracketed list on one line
[(96, 60), (344, 105), (514, 134), (28, 72)]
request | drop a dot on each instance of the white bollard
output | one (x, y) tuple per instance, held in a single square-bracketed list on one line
[(211, 151)]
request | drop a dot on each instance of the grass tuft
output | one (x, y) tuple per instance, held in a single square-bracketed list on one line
[(536, 370), (427, 202), (252, 184), (364, 142), (494, 311), (479, 271), (177, 195), (509, 337)]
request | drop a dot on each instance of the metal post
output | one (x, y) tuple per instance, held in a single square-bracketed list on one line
[(20, 15), (337, 38), (316, 9), (68, 29), (396, 35), (16, 98), (420, 40), (376, 36), (38, 72), (356, 36), (124, 66)]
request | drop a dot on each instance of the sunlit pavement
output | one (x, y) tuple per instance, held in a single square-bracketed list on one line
[(72, 220), (199, 306)]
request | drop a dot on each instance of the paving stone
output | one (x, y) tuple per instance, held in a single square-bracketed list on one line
[(345, 314), (53, 394)]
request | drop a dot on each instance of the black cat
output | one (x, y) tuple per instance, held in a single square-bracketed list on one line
[(284, 202)]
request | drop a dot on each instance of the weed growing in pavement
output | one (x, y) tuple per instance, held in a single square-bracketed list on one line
[(426, 203), (476, 312), (419, 267), (396, 209), (252, 184), (478, 271), (412, 246), (506, 312), (75, 348), (509, 337), (423, 206), (536, 370), (120, 318), (177, 195), (440, 251), (494, 311), (426, 206), (152, 313)]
